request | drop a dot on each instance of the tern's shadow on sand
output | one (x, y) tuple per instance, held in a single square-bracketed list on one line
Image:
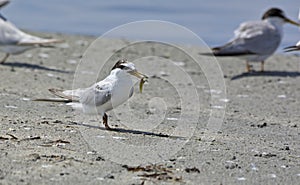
[(267, 73), (33, 66), (122, 130)]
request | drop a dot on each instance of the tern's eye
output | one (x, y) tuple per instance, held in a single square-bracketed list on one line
[(123, 67)]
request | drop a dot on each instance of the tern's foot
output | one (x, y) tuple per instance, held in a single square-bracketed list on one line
[(249, 67), (262, 68), (107, 127), (105, 122)]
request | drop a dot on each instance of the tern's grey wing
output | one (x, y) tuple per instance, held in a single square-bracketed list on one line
[(256, 37), (97, 95)]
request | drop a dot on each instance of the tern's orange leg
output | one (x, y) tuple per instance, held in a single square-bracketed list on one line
[(105, 121), (4, 59), (248, 67)]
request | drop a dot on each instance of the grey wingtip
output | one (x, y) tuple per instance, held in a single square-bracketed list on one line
[(54, 90), (291, 48), (207, 53), (213, 52), (52, 100)]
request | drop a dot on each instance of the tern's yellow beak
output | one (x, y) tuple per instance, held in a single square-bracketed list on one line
[(291, 22), (141, 76), (137, 74)]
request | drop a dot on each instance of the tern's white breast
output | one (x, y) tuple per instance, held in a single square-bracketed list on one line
[(121, 91)]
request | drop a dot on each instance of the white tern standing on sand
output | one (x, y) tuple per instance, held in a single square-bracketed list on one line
[(105, 95), (14, 41), (255, 41)]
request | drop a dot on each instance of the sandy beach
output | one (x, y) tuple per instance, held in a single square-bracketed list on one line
[(162, 134)]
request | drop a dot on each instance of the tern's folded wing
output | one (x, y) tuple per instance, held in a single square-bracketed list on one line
[(254, 37), (251, 29), (258, 37), (97, 95)]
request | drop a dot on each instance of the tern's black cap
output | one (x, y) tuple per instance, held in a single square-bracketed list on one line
[(273, 12), (119, 64)]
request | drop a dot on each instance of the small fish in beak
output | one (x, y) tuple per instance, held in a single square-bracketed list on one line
[(143, 78)]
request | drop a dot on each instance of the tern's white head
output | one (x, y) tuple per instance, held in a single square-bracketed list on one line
[(125, 68), (277, 16)]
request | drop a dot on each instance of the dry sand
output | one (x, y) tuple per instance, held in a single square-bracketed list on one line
[(48, 143)]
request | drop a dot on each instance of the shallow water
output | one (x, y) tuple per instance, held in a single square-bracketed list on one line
[(213, 21)]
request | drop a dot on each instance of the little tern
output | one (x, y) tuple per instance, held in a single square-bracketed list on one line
[(14, 41), (105, 95), (255, 41)]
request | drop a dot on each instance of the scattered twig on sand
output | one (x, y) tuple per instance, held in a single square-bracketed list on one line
[(12, 136), (4, 138), (194, 170), (154, 172), (58, 141), (31, 138)]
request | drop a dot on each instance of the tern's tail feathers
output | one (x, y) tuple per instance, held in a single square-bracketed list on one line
[(291, 48), (71, 95), (228, 50), (64, 96), (53, 100)]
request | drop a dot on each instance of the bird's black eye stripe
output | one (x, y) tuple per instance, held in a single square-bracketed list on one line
[(119, 64), (122, 67)]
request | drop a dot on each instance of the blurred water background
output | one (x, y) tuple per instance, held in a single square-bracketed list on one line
[(213, 21)]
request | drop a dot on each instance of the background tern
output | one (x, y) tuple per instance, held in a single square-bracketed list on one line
[(14, 41), (255, 41)]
